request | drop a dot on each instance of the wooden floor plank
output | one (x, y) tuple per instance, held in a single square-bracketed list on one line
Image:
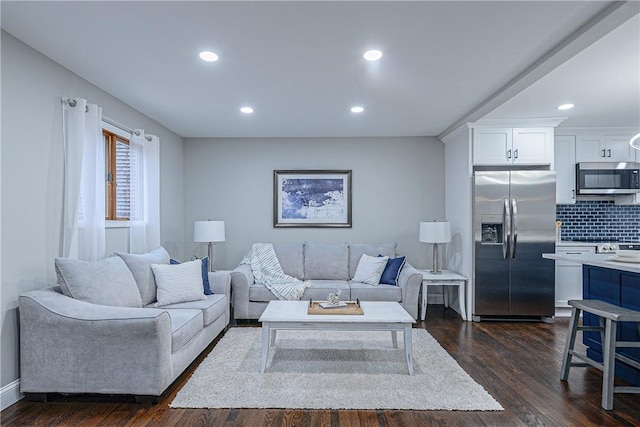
[(518, 363)]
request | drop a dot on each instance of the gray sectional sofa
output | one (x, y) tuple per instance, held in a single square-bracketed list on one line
[(329, 267), (68, 345)]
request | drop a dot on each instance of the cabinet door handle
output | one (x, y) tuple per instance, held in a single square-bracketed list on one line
[(609, 150), (573, 253), (515, 154), (508, 154), (604, 153), (573, 194)]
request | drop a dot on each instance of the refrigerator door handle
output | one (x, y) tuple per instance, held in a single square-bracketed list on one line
[(506, 229), (514, 227)]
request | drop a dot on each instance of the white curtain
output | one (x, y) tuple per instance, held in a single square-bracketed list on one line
[(84, 181), (144, 232)]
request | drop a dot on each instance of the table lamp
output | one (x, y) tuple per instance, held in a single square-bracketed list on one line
[(435, 232), (209, 232)]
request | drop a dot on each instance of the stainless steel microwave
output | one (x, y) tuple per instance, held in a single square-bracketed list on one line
[(608, 178)]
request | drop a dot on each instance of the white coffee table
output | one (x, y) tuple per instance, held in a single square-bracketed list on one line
[(378, 316)]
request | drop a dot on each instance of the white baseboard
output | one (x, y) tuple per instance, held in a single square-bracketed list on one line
[(10, 394)]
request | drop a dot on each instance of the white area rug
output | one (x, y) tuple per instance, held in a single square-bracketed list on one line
[(331, 370)]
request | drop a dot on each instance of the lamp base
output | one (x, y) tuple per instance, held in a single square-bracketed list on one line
[(436, 267), (210, 255)]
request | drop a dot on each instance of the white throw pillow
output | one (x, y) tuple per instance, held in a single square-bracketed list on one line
[(370, 269), (178, 282)]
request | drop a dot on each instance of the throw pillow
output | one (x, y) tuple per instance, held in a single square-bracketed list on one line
[(140, 266), (205, 274), (105, 282), (178, 283), (370, 269), (392, 271)]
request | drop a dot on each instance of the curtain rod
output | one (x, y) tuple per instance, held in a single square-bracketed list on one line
[(72, 102), (123, 127), (116, 124)]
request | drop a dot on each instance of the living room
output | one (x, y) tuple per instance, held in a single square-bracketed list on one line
[(400, 178)]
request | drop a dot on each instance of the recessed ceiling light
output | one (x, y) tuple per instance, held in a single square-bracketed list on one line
[(357, 109), (566, 107), (246, 110), (372, 55), (205, 55)]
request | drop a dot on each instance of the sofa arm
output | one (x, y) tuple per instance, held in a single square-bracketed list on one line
[(410, 281), (220, 283), (71, 346), (241, 279)]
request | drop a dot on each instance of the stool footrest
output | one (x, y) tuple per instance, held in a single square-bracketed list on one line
[(626, 389), (588, 362)]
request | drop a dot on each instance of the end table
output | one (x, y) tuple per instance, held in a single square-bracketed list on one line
[(446, 278)]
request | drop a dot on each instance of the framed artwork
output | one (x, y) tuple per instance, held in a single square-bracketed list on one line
[(312, 198)]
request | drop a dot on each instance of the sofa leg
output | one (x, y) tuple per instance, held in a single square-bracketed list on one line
[(146, 398), (36, 397)]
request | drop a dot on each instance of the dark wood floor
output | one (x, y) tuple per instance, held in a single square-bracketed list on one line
[(518, 363)]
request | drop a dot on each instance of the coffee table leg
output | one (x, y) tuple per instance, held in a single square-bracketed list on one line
[(394, 338), (408, 349), (265, 345)]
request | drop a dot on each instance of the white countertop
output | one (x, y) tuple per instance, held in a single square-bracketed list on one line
[(598, 260), (576, 244)]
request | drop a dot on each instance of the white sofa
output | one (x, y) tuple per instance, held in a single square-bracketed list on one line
[(329, 267)]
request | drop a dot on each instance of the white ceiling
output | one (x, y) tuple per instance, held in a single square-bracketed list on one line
[(300, 65)]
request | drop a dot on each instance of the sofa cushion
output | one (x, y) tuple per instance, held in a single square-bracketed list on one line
[(185, 324), (178, 283), (212, 307), (392, 271), (329, 262), (291, 257), (140, 266), (370, 269), (205, 274), (318, 290), (105, 282), (357, 249), (365, 292)]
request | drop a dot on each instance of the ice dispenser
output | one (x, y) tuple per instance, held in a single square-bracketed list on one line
[(491, 229)]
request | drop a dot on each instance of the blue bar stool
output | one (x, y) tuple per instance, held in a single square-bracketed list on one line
[(609, 315)]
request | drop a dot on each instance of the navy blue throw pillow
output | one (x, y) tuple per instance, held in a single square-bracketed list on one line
[(205, 274), (392, 271)]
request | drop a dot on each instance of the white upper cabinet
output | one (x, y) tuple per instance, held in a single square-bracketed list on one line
[(604, 148), (565, 165), (492, 146), (504, 146), (533, 145)]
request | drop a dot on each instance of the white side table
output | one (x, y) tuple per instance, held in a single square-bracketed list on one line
[(446, 278)]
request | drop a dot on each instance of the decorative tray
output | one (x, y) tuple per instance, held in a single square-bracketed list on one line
[(346, 307)]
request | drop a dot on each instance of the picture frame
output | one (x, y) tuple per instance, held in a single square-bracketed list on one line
[(312, 198)]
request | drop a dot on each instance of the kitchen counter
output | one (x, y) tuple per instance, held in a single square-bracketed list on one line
[(576, 244), (597, 260)]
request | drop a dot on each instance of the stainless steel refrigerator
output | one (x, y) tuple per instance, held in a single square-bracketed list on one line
[(514, 224)]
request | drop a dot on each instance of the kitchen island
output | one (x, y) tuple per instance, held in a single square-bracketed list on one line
[(615, 282)]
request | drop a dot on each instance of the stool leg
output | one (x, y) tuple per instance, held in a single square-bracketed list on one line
[(609, 363), (571, 338)]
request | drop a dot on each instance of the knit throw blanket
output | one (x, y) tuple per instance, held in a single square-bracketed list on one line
[(267, 270)]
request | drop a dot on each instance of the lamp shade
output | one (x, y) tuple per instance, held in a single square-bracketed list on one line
[(435, 232), (208, 231)]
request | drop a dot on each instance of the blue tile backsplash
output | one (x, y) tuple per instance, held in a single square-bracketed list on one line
[(599, 220)]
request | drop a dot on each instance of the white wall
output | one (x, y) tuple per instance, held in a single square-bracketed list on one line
[(32, 178), (396, 183), (458, 190)]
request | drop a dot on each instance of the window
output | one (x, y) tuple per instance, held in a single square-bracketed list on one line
[(118, 176)]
